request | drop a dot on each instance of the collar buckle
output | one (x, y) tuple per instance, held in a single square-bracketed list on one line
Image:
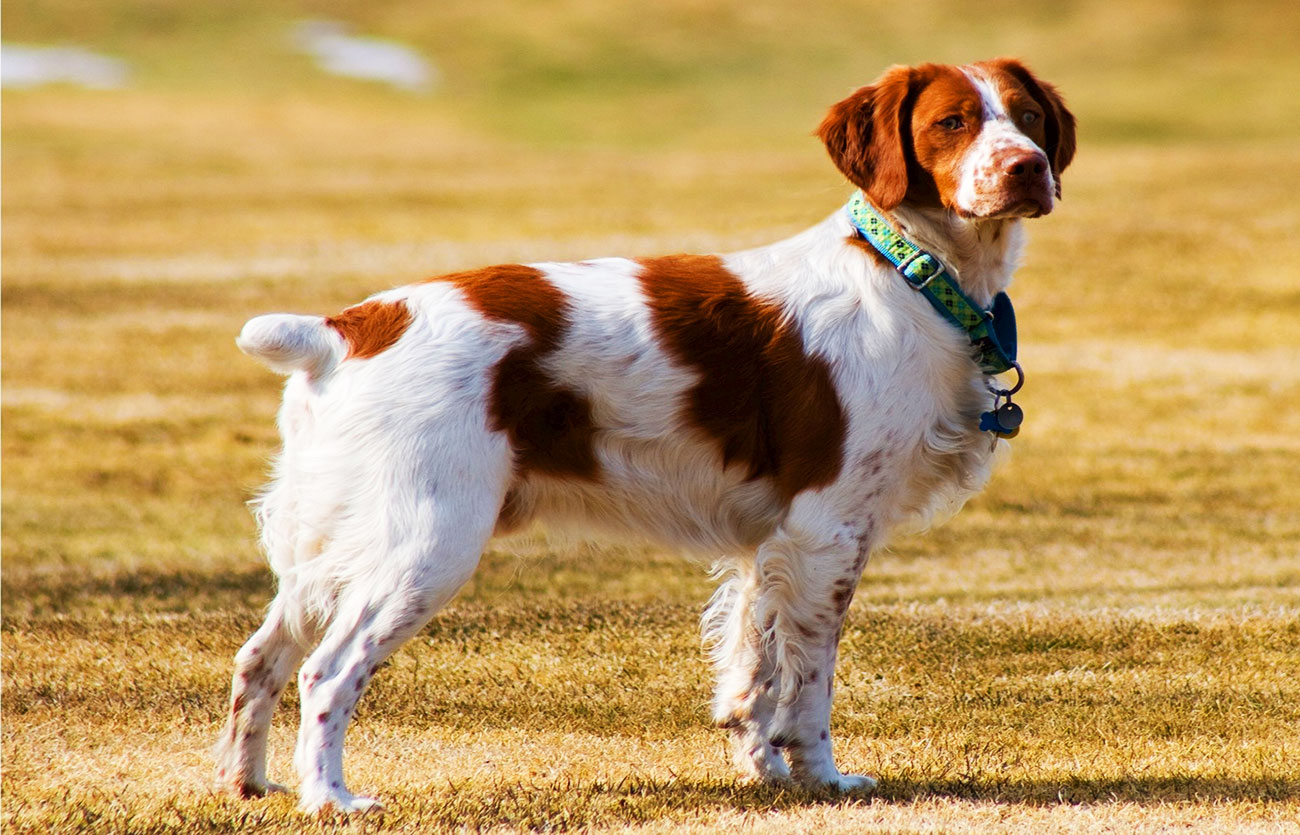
[(924, 259)]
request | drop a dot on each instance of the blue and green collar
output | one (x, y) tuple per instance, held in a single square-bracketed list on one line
[(991, 331)]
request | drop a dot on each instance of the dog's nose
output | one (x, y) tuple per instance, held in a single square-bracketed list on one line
[(1027, 165)]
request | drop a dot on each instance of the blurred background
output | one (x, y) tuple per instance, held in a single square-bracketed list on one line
[(1128, 587), (171, 168), (235, 113)]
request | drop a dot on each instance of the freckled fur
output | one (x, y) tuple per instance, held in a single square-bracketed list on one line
[(787, 406)]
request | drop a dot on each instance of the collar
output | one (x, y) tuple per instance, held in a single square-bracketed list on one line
[(992, 332)]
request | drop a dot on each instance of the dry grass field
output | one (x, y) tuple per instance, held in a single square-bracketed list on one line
[(1107, 640)]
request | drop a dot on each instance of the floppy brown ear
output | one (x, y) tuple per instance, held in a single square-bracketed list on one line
[(1059, 122), (864, 135)]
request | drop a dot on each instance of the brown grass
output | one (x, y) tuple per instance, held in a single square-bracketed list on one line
[(1105, 641)]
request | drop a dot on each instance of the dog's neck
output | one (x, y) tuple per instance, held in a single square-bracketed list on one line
[(981, 253)]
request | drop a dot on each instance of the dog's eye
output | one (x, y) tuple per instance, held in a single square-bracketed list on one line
[(952, 123), (1029, 117)]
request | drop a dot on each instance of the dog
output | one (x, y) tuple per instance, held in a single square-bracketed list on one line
[(780, 409)]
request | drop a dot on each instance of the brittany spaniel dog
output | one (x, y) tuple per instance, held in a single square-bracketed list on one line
[(779, 409)]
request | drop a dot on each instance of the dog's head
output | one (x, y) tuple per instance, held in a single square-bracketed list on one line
[(987, 140)]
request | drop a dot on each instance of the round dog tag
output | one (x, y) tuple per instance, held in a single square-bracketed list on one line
[(1009, 417)]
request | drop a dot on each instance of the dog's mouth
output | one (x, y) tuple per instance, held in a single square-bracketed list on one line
[(1029, 207), (1024, 207)]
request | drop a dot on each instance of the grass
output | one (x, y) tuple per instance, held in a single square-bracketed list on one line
[(1106, 640)]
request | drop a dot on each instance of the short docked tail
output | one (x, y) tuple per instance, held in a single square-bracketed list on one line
[(289, 343)]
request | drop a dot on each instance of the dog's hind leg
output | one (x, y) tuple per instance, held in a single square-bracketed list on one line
[(396, 576), (368, 628), (263, 666)]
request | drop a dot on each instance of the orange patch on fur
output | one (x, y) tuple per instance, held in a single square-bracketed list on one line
[(863, 134), (770, 406), (372, 327), (871, 252), (943, 91), (549, 425)]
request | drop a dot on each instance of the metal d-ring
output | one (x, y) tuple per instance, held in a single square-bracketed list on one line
[(1020, 381)]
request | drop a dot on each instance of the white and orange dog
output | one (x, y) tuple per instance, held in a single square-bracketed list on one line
[(780, 408)]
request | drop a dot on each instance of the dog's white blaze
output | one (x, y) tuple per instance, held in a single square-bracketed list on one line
[(978, 184)]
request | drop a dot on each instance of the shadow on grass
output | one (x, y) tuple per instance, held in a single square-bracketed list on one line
[(567, 804), (1158, 789), (142, 591)]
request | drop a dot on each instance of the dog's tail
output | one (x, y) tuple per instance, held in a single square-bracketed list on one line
[(289, 343)]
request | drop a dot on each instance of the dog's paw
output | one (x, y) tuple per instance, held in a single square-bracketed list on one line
[(274, 788), (340, 802), (363, 804), (758, 760), (851, 784), (248, 788), (831, 780)]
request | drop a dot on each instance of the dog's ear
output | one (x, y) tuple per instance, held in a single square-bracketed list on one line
[(1059, 121), (865, 136)]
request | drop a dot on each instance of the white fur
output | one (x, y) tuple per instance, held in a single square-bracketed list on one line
[(391, 480), (288, 343), (999, 139)]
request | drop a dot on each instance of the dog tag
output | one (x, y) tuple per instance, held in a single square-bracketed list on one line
[(1004, 420), (1009, 417)]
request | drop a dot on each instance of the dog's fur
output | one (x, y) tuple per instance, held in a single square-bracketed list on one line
[(786, 407)]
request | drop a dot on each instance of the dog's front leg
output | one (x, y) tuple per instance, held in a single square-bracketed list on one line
[(745, 698), (801, 721)]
